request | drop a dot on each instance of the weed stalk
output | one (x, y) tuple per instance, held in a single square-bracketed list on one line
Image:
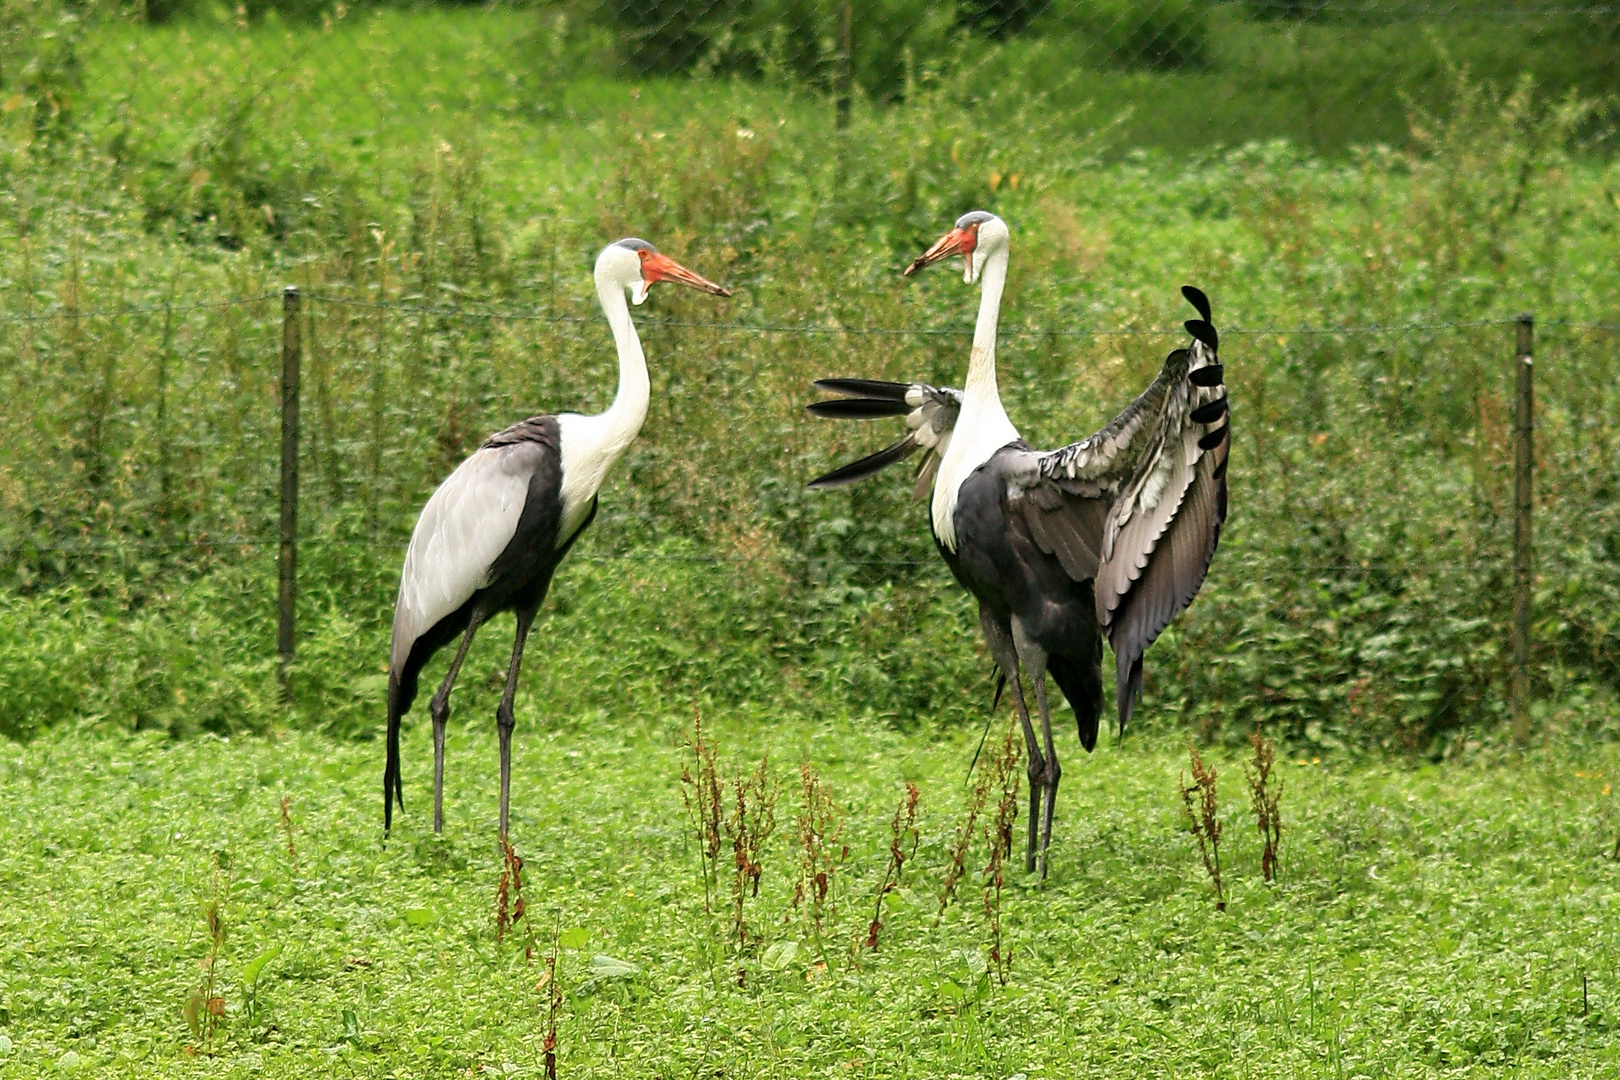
[(999, 835), (548, 983), (901, 828), (1203, 820), (1265, 792), (750, 824), (956, 864), (205, 1008), (702, 794), (509, 904), (287, 831), (821, 853)]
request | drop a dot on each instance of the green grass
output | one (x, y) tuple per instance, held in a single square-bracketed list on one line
[(1428, 922)]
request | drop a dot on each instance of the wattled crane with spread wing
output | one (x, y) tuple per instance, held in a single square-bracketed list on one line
[(491, 536), (1112, 534)]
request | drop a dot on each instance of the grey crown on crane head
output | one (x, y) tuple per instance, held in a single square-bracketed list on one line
[(976, 235)]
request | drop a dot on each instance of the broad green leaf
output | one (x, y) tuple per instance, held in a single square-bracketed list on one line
[(255, 967), (611, 967), (780, 955)]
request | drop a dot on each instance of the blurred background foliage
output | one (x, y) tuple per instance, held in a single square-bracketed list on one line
[(437, 179)]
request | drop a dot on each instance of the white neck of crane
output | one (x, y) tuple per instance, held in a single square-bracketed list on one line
[(591, 444), (982, 428)]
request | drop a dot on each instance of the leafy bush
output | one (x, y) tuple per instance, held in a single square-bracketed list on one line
[(190, 665), (40, 61)]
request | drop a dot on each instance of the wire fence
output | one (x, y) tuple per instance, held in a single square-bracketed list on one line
[(1372, 499), (159, 457)]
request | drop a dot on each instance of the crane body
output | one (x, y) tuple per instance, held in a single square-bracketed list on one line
[(492, 535), (1111, 535)]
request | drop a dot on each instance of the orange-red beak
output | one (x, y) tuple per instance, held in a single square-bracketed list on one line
[(656, 266), (956, 242)]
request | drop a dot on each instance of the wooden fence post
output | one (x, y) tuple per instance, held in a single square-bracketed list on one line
[(287, 596), (1524, 463)]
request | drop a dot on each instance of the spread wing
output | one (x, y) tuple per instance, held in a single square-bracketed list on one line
[(930, 413), (1139, 505)]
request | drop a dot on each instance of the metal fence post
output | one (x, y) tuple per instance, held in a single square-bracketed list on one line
[(288, 594), (1524, 431)]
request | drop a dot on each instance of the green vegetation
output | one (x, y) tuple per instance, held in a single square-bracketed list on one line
[(1359, 600), (1446, 921)]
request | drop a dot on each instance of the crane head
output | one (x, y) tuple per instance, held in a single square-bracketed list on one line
[(968, 239), (649, 267)]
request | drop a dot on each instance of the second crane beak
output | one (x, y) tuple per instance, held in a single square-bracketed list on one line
[(956, 242), (660, 267)]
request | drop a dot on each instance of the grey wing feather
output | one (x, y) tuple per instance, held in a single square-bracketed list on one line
[(464, 527), (1163, 529), (930, 413), (1147, 494)]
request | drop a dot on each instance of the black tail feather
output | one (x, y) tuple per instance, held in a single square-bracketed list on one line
[(1195, 296), (1081, 684), (1205, 332), (865, 408), (1127, 688), (866, 466), (892, 391), (393, 784)]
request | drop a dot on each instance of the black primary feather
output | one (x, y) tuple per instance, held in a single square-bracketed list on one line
[(866, 466), (1207, 376), (1214, 438), (864, 408), (1204, 332), (1195, 296), (893, 391), (1208, 414)]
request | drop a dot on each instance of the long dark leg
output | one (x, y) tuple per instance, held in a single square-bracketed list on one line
[(1001, 645), (1036, 772), (1033, 657), (440, 709), (504, 719), (1054, 772)]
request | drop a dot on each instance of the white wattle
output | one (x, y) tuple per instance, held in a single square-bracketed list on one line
[(982, 428), (591, 444)]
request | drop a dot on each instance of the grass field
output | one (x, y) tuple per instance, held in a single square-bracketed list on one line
[(1443, 921)]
